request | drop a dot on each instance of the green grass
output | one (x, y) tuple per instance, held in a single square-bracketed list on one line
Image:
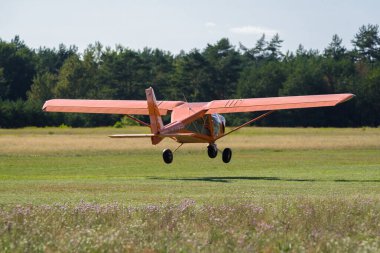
[(140, 178), (312, 190)]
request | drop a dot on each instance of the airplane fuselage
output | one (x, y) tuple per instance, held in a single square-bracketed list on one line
[(205, 129)]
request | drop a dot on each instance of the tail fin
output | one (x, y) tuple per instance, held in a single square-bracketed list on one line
[(154, 114)]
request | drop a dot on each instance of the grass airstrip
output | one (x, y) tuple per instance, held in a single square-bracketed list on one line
[(285, 190)]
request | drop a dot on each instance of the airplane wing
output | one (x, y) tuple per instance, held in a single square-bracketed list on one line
[(140, 107), (275, 103), (135, 107)]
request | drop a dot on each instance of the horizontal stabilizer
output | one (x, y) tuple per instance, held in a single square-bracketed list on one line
[(177, 134), (150, 135), (131, 135)]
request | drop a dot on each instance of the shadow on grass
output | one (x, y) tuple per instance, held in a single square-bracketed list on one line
[(357, 181), (229, 179)]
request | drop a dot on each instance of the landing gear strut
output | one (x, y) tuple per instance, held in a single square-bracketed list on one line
[(167, 155), (212, 150)]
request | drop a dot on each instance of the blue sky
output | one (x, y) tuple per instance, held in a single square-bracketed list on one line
[(174, 25)]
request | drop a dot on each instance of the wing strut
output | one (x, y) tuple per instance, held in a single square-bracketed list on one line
[(247, 123), (137, 120)]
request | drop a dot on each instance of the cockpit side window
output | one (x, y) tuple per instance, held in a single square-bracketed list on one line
[(203, 125), (218, 122), (199, 126)]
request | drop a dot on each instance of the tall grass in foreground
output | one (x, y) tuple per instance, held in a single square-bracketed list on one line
[(301, 225)]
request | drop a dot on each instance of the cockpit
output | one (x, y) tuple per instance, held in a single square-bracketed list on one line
[(214, 123), (219, 123)]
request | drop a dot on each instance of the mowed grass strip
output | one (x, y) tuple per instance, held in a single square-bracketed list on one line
[(61, 141), (286, 189)]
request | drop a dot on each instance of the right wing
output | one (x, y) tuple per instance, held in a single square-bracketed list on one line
[(136, 107), (275, 103)]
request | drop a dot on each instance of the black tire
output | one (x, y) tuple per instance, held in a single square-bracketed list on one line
[(167, 155), (212, 151), (227, 155)]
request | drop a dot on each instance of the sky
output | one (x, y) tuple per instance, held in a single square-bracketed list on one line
[(175, 25)]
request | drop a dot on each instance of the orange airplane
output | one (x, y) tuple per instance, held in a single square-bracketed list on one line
[(190, 122)]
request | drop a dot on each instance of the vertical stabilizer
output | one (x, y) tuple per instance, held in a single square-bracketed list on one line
[(154, 114)]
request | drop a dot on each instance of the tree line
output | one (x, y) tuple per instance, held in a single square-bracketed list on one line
[(29, 76)]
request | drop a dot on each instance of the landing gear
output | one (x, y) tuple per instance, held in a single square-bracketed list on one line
[(212, 150), (227, 154), (167, 155)]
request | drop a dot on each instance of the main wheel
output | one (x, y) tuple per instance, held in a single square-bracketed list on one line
[(227, 154), (167, 155), (212, 151)]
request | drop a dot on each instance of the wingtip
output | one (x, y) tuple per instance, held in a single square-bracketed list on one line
[(44, 107), (348, 96)]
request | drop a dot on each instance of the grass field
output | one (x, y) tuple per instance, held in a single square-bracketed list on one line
[(285, 190)]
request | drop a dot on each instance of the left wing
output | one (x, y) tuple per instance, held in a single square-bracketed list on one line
[(136, 107), (275, 103)]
